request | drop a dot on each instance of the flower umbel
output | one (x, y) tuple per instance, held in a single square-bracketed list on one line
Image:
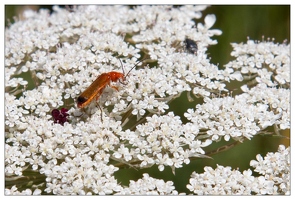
[(275, 168), (132, 126)]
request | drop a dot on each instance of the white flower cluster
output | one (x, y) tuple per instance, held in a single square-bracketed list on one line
[(162, 141), (85, 154), (267, 62), (275, 168), (14, 191), (242, 116), (65, 51), (149, 186), (257, 108)]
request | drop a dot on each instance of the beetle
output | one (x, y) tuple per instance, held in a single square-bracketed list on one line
[(100, 83)]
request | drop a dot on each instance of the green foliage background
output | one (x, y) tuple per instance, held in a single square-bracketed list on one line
[(237, 22)]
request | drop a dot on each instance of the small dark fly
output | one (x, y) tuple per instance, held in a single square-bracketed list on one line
[(191, 46)]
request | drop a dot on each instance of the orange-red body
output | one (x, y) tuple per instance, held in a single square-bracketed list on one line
[(97, 87)]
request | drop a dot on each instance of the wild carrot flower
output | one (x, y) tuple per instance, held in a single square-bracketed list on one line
[(75, 151)]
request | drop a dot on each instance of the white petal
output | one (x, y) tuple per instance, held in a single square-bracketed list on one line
[(210, 20)]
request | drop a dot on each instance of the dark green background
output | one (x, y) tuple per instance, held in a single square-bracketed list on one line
[(237, 22)]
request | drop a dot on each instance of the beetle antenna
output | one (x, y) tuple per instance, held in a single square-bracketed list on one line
[(122, 66), (134, 67)]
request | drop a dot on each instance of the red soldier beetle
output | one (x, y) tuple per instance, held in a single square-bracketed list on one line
[(98, 86)]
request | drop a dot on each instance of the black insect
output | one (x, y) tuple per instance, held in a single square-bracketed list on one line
[(191, 46)]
